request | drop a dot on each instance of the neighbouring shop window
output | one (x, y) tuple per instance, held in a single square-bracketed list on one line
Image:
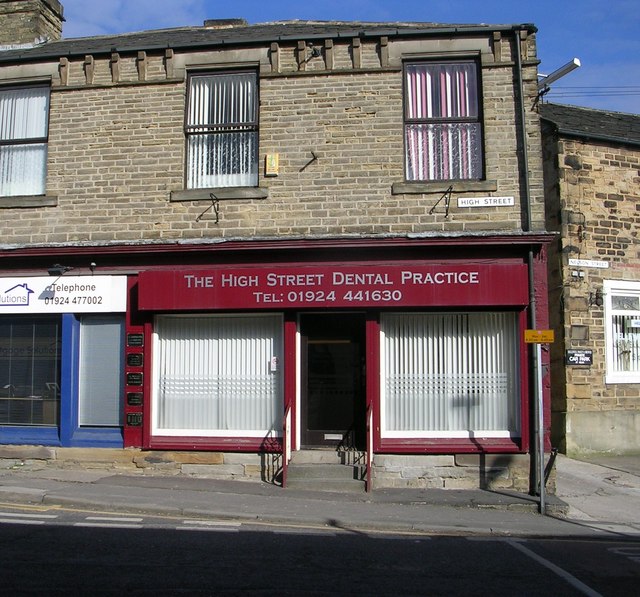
[(217, 375), (24, 115), (443, 135), (101, 371), (450, 375), (222, 130), (30, 350), (622, 316)]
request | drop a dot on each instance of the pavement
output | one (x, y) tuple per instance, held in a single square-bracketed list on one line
[(593, 499)]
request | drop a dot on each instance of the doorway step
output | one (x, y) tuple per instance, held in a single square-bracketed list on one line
[(327, 470)]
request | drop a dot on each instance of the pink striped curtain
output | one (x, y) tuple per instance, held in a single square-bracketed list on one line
[(443, 137)]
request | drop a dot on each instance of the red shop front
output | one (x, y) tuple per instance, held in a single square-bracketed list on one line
[(395, 357)]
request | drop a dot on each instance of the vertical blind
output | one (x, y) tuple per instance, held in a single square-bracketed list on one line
[(101, 371), (443, 137), (222, 131), (24, 116), (450, 374), (214, 375)]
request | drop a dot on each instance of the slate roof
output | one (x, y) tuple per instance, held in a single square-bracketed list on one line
[(201, 37), (587, 123)]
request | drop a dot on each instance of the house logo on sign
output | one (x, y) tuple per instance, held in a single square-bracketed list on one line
[(15, 296)]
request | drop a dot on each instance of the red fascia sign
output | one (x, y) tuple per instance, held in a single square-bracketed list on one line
[(334, 286)]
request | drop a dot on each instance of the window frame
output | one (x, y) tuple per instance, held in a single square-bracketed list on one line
[(514, 385), (211, 434), (613, 288), (40, 140), (250, 126), (477, 119)]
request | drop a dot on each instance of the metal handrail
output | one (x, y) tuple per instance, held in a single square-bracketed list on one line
[(369, 446), (286, 444)]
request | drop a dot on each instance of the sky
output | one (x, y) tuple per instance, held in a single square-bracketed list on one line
[(603, 35)]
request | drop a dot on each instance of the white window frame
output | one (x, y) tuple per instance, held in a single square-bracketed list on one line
[(268, 364), (457, 374), (221, 129), (24, 132), (611, 288), (442, 120)]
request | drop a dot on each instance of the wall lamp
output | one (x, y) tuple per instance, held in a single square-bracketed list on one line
[(596, 299), (546, 80), (58, 270)]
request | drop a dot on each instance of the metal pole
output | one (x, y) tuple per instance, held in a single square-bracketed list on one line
[(538, 470), (540, 401)]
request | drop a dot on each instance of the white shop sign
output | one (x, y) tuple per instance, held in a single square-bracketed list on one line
[(485, 201), (63, 294)]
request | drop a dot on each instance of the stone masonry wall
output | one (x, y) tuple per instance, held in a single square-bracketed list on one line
[(117, 153), (26, 21), (596, 207)]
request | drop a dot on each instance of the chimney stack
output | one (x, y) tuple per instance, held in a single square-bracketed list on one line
[(224, 23), (29, 22)]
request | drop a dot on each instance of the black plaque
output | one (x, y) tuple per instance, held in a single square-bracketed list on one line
[(134, 419), (134, 398), (134, 379), (134, 359), (135, 339), (579, 357)]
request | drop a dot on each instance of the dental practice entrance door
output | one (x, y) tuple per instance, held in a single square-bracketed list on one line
[(333, 401)]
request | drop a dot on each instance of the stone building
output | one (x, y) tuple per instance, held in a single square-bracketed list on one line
[(592, 161), (241, 249)]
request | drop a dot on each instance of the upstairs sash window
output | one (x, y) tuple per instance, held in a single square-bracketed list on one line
[(24, 121), (222, 130), (442, 128)]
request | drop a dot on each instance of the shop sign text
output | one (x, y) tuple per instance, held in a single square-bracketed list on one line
[(334, 286)]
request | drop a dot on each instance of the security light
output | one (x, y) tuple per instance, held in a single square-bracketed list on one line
[(58, 270), (557, 74)]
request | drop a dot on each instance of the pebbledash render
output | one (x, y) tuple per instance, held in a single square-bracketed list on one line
[(269, 250)]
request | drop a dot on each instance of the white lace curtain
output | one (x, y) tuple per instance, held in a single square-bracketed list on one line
[(443, 135)]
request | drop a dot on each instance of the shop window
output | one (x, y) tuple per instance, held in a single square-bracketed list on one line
[(217, 376), (450, 375), (101, 371), (622, 316), (443, 135), (24, 115), (30, 351), (222, 130)]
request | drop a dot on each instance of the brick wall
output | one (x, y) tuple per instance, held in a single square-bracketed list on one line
[(594, 202)]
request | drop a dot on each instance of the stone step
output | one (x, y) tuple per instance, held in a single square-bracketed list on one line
[(336, 485), (327, 457), (324, 471)]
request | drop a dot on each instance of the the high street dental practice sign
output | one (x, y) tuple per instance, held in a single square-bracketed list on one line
[(333, 286), (63, 294)]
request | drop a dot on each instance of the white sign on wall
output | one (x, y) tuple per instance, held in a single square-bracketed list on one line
[(63, 294), (485, 201), (588, 263)]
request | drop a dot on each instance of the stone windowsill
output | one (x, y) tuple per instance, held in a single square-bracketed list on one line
[(440, 186), (28, 201), (219, 194)]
